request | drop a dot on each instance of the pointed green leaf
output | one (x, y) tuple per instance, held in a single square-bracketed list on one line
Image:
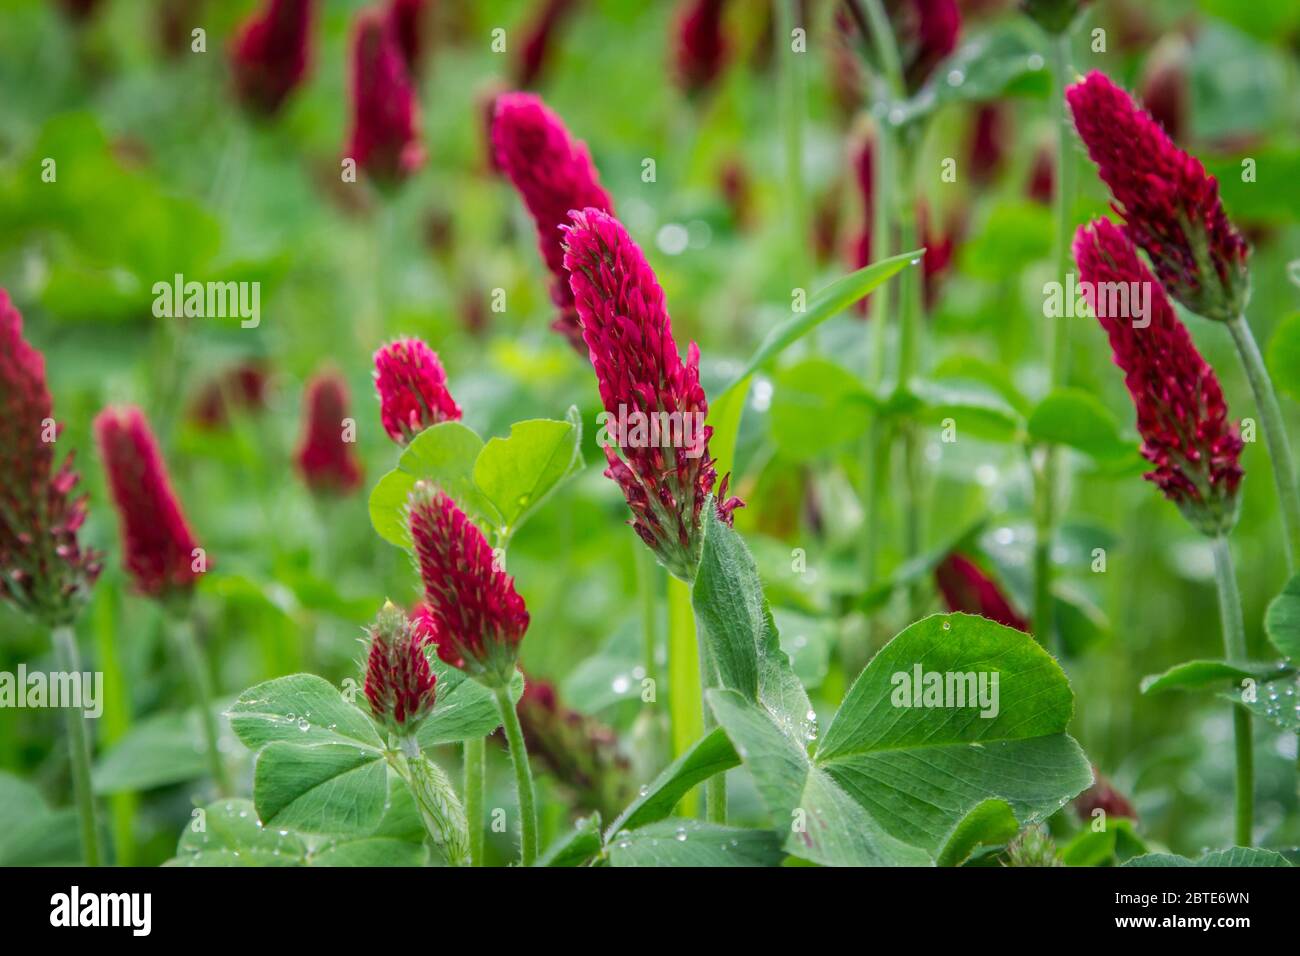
[(323, 788)]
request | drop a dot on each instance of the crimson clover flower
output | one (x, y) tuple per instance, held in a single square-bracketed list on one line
[(553, 173), (539, 36), (43, 569), (630, 343), (244, 386), (159, 549), (385, 137), (406, 18), (700, 49), (470, 602), (965, 587), (399, 683), (1102, 795), (412, 389), (989, 137), (1170, 205), (271, 53), (1181, 414), (326, 461)]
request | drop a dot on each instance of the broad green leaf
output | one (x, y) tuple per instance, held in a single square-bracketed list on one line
[(162, 750), (227, 833), (712, 754), (1277, 702), (1282, 622), (1233, 856), (516, 474), (921, 769), (576, 847), (1013, 235), (301, 709), (388, 507), (725, 413), (1284, 355), (1075, 418), (443, 454), (465, 709), (989, 823), (968, 368), (369, 851), (31, 834), (1115, 844), (676, 842), (817, 406), (322, 788), (1195, 675), (976, 412)]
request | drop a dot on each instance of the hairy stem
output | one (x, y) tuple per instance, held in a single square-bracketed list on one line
[(1234, 650), (440, 808), (685, 701), (475, 760), (69, 661), (523, 776)]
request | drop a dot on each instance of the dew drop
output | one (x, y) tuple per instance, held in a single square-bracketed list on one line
[(956, 77)]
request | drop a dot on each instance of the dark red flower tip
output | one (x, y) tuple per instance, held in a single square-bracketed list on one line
[(243, 387), (1170, 205), (1102, 796), (965, 587), (158, 549), (326, 458), (990, 135), (385, 138), (1041, 174), (407, 20), (399, 683), (1181, 414), (931, 29), (700, 49), (536, 49), (412, 389), (43, 569), (271, 54), (553, 173), (478, 617), (629, 339)]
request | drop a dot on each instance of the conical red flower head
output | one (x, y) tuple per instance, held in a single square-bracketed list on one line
[(385, 139), (406, 18), (965, 587), (476, 614), (158, 548), (1181, 413), (1041, 173), (553, 173), (539, 36), (1169, 203), (653, 400), (326, 458), (990, 136), (271, 54), (1102, 796), (242, 387), (700, 51), (43, 570), (399, 681), (412, 389)]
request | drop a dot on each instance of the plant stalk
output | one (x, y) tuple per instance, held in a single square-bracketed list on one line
[(69, 661), (715, 788), (1234, 651), (685, 700), (440, 809), (523, 776), (196, 674), (475, 760)]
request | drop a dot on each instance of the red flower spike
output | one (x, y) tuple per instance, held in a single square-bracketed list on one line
[(271, 54), (701, 48), (327, 463), (471, 604), (406, 19), (242, 387), (385, 138), (1169, 203), (630, 343), (399, 683), (1102, 796), (159, 550), (538, 42), (412, 389), (1181, 413), (987, 149), (553, 173), (965, 587), (1041, 174), (43, 570)]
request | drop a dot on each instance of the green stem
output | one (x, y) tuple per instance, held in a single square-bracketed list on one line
[(1279, 448), (69, 662), (196, 674), (117, 719), (647, 579), (715, 788), (1044, 462), (443, 816), (475, 760), (1234, 649), (523, 776), (685, 702), (793, 98)]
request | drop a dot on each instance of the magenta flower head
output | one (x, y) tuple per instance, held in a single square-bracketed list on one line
[(385, 138), (159, 550), (553, 173), (654, 400), (406, 18), (1181, 413), (399, 682), (965, 587), (271, 54), (539, 39), (471, 603), (43, 570), (325, 457), (1170, 205), (700, 50), (412, 389)]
